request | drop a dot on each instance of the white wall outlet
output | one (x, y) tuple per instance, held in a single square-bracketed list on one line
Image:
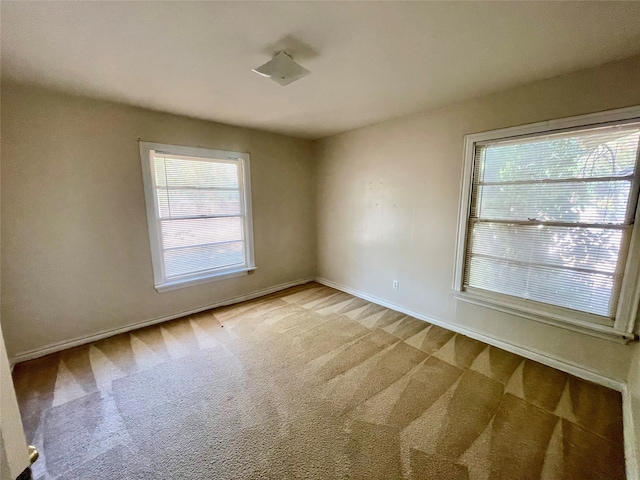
[(395, 284)]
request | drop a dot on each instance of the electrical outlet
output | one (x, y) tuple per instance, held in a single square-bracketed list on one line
[(395, 284)]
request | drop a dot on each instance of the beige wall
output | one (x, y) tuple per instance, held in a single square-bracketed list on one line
[(388, 198), (75, 247)]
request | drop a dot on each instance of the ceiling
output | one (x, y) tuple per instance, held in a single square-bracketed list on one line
[(370, 61)]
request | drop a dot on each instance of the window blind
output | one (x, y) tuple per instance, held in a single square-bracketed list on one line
[(201, 213), (551, 216)]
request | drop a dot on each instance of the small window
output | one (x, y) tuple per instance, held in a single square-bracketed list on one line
[(547, 223), (198, 213)]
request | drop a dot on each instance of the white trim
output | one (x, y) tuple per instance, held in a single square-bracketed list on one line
[(56, 347), (629, 300), (580, 322), (590, 119), (189, 282), (151, 207), (530, 310), (540, 357), (630, 441), (463, 214), (245, 178), (242, 162)]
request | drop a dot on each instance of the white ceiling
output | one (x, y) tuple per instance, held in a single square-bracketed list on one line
[(370, 60)]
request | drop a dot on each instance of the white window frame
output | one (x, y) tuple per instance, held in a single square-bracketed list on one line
[(162, 284), (622, 328)]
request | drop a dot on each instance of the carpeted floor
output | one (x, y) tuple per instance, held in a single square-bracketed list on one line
[(311, 383)]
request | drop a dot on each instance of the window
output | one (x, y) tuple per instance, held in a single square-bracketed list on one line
[(198, 213), (547, 222)]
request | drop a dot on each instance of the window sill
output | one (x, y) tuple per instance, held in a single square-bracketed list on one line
[(190, 282), (531, 312)]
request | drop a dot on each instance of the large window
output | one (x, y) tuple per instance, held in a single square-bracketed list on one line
[(198, 212), (547, 222)]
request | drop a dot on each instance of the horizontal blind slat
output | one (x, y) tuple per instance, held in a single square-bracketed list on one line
[(580, 154), (538, 223), (180, 233), (578, 291), (559, 180), (582, 248), (178, 203), (176, 171), (600, 202), (203, 258), (548, 216), (182, 247)]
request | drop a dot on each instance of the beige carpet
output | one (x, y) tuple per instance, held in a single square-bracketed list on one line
[(312, 383)]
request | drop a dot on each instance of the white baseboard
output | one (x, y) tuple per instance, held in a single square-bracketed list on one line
[(540, 357), (631, 446), (56, 347)]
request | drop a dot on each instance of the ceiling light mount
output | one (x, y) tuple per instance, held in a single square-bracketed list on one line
[(282, 69)]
